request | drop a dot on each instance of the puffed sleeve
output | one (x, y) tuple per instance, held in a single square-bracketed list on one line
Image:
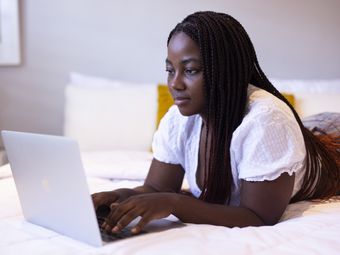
[(165, 144), (267, 145)]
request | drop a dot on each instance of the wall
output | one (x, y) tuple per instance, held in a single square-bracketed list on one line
[(127, 40)]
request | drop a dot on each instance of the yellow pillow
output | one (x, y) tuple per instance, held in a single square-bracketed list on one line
[(290, 98), (165, 101)]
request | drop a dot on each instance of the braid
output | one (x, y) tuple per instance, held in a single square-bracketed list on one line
[(229, 65)]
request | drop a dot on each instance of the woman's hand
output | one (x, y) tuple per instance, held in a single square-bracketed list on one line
[(148, 206), (109, 197)]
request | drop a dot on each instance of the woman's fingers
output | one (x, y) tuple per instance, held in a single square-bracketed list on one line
[(147, 206), (140, 225), (105, 198), (125, 220), (96, 200), (118, 211), (130, 217), (113, 206)]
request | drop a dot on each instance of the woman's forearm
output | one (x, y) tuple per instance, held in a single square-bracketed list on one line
[(144, 189), (192, 210)]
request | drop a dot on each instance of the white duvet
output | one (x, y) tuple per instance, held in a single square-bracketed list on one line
[(305, 228)]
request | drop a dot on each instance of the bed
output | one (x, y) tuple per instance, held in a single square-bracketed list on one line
[(308, 227)]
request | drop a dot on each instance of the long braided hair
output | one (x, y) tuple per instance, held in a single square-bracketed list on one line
[(229, 65)]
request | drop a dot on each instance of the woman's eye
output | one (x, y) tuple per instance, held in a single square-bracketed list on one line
[(169, 71), (191, 71)]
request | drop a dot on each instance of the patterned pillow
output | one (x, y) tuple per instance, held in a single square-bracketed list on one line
[(323, 123)]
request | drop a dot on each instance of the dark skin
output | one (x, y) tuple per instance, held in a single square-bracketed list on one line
[(261, 203)]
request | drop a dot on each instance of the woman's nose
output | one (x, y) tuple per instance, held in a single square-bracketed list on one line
[(177, 82)]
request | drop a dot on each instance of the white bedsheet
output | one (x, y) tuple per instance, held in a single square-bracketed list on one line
[(305, 228)]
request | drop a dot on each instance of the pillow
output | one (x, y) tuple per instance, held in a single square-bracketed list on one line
[(307, 104), (307, 86), (323, 123), (312, 96), (111, 117), (290, 98), (164, 100)]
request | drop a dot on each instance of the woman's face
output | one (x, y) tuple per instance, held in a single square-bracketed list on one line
[(185, 75)]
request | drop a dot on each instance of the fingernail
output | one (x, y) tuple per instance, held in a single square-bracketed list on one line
[(115, 229), (113, 205)]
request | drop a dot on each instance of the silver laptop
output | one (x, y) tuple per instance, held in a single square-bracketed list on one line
[(52, 187)]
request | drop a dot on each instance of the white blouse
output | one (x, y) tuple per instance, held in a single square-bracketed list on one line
[(266, 144)]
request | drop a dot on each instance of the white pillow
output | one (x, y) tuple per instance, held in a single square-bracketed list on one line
[(309, 86), (312, 96), (307, 104), (111, 117)]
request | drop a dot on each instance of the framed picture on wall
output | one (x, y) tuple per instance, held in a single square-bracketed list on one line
[(9, 33)]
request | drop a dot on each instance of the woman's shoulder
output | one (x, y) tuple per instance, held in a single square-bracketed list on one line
[(263, 104), (268, 141), (264, 111)]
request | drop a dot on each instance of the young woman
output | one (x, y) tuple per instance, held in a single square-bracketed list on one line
[(240, 143)]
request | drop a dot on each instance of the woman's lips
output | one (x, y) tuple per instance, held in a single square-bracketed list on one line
[(180, 101)]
